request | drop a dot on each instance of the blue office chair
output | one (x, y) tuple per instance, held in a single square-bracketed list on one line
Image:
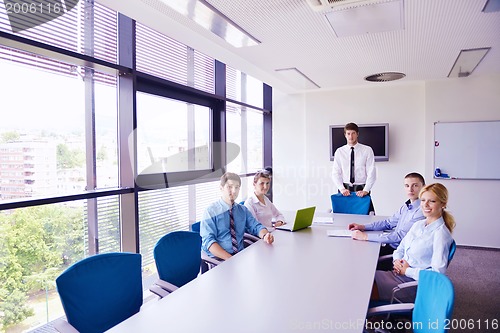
[(207, 262), (99, 292), (195, 227), (178, 259), (433, 305), (351, 204), (406, 286)]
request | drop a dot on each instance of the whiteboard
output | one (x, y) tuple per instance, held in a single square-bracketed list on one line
[(468, 150)]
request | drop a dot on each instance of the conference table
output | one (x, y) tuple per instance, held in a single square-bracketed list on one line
[(304, 281)]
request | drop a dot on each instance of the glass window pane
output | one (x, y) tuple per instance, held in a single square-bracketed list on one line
[(66, 31), (245, 128), (206, 193), (43, 157), (106, 134), (40, 156), (255, 140), (164, 57), (244, 88), (38, 243), (233, 135), (255, 92), (160, 212), (172, 135)]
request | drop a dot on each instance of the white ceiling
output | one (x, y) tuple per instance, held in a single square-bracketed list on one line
[(292, 34)]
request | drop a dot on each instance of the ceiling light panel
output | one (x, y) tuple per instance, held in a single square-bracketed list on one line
[(296, 78), (213, 20), (369, 18), (467, 61)]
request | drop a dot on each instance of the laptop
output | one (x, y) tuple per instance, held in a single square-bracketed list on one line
[(303, 219)]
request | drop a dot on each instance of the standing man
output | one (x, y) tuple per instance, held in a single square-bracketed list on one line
[(354, 165), (225, 222), (400, 223)]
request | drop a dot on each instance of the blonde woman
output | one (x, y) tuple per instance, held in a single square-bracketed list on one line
[(260, 206), (426, 246)]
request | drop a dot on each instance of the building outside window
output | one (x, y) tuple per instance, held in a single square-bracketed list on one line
[(62, 156)]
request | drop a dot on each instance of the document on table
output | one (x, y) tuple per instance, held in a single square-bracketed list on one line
[(323, 220), (339, 233)]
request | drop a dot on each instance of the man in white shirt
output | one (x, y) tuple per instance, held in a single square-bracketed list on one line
[(354, 165)]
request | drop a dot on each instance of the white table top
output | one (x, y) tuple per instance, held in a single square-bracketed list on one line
[(304, 281)]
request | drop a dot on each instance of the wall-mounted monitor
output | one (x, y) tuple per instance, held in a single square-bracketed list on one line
[(373, 135)]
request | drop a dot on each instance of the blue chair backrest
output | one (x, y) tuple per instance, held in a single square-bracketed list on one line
[(351, 204), (453, 248), (195, 227), (178, 257), (434, 302), (101, 291)]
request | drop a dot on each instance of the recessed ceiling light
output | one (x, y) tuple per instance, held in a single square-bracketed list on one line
[(467, 61), (207, 16), (296, 78), (385, 77)]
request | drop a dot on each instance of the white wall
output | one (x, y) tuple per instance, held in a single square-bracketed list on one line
[(472, 202), (301, 146)]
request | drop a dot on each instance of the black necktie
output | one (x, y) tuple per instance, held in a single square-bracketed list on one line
[(352, 166), (232, 230)]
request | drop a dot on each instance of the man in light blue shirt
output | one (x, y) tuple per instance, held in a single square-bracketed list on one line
[(215, 227), (400, 223)]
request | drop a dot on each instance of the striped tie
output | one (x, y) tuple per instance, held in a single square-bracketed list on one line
[(234, 242)]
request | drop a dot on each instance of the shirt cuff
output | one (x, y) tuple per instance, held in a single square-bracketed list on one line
[(412, 273)]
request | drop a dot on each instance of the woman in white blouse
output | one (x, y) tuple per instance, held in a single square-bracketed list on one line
[(426, 246), (259, 204)]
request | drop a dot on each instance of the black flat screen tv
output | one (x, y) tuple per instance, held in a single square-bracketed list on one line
[(373, 135)]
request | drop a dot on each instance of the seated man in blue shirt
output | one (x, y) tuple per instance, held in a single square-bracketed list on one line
[(215, 229), (400, 223)]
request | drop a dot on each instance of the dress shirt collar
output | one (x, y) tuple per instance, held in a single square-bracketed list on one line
[(434, 225), (224, 204), (256, 200), (414, 204)]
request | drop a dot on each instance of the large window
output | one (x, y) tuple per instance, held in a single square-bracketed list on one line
[(172, 136), (80, 128)]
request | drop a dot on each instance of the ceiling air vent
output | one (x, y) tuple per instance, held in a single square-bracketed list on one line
[(327, 5), (385, 77)]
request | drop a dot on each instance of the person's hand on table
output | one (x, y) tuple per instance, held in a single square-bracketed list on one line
[(359, 235), (268, 238), (355, 226), (279, 223)]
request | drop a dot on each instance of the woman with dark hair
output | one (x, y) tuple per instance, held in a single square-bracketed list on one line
[(426, 246)]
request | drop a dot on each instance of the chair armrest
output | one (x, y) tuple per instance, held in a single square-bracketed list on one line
[(250, 237), (209, 260), (400, 287), (64, 327), (159, 291), (390, 308), (169, 287), (385, 258)]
